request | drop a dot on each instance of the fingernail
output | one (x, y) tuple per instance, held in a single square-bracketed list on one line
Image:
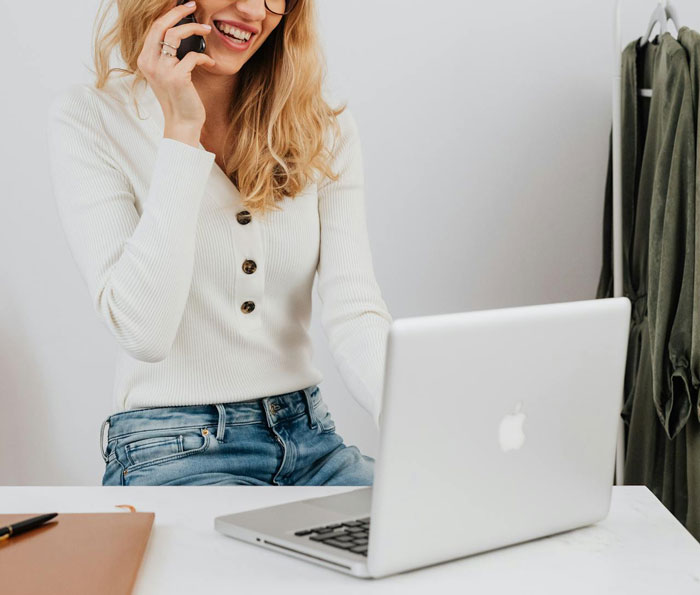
[(207, 26), (191, 3)]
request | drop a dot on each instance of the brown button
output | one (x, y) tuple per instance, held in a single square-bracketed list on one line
[(243, 217), (248, 307), (249, 266)]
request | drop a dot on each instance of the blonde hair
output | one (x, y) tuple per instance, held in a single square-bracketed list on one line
[(278, 113)]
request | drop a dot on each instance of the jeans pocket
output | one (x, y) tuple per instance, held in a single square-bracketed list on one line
[(113, 473), (156, 447), (323, 417)]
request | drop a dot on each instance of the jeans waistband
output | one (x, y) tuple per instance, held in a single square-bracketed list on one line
[(267, 410)]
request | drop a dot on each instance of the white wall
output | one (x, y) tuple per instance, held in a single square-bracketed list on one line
[(484, 128)]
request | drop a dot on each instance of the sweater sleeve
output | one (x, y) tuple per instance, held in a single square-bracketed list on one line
[(138, 269), (354, 316)]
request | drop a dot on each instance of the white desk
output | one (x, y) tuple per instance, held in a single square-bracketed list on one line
[(639, 548)]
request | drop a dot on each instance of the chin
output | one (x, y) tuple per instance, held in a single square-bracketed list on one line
[(228, 68), (222, 67)]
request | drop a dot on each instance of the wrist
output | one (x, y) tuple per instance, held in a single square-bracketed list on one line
[(185, 133)]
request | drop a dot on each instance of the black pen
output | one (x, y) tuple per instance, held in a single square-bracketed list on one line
[(25, 525)]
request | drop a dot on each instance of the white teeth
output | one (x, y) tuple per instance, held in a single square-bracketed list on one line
[(233, 32)]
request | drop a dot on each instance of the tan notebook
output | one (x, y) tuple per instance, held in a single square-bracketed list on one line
[(75, 553)]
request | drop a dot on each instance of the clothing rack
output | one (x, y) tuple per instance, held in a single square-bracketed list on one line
[(617, 206), (617, 199)]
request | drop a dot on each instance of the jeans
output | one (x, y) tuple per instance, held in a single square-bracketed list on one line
[(286, 439)]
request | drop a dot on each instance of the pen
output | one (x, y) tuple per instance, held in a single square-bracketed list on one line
[(25, 525)]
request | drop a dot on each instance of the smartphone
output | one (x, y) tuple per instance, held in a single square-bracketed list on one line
[(194, 43)]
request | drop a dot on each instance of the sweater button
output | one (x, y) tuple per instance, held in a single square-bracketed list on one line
[(243, 217), (249, 266), (248, 307)]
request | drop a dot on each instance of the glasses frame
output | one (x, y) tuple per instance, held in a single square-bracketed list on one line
[(292, 3)]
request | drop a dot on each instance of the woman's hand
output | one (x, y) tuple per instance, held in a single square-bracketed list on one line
[(170, 78)]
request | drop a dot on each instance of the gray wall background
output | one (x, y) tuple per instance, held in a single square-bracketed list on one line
[(484, 129)]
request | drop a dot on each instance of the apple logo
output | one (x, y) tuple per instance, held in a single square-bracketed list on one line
[(510, 431)]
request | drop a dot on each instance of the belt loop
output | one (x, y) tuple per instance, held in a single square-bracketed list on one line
[(221, 429), (309, 407), (264, 403), (102, 434)]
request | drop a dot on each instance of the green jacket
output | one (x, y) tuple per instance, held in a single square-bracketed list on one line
[(658, 212), (690, 40), (658, 209)]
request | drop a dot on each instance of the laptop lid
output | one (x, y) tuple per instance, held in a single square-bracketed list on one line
[(498, 426)]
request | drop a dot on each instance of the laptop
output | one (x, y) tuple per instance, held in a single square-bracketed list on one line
[(497, 427)]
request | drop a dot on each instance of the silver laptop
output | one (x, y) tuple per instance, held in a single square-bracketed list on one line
[(498, 427)]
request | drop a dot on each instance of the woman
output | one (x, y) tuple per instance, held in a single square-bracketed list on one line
[(200, 197)]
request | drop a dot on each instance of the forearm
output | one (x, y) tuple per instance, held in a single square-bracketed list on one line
[(143, 294)]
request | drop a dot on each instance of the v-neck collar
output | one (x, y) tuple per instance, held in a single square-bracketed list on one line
[(220, 186)]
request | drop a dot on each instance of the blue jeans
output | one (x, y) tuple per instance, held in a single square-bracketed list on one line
[(286, 439)]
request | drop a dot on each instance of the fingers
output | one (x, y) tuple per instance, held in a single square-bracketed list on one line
[(149, 57), (175, 35), (190, 61), (166, 21), (167, 71)]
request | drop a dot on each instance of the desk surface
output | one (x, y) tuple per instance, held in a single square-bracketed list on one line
[(639, 548)]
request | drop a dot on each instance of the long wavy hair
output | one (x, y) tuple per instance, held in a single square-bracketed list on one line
[(276, 140)]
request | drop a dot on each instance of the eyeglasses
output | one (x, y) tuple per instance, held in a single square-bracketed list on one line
[(280, 7)]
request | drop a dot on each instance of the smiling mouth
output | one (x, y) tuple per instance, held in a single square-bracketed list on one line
[(234, 34)]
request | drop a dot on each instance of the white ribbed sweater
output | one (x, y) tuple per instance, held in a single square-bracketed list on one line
[(152, 225)]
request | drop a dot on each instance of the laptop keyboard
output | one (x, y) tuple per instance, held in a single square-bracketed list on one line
[(352, 536)]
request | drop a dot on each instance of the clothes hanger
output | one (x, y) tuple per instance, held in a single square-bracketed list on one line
[(661, 15), (672, 16)]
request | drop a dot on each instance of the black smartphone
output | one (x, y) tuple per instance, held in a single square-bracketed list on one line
[(194, 43)]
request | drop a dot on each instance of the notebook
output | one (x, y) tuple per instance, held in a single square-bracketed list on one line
[(75, 553)]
